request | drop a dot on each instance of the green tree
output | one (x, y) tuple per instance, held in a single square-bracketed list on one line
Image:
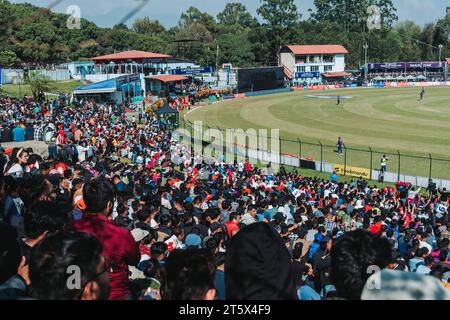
[(261, 46), (281, 20), (194, 37), (39, 83), (236, 14), (409, 32), (8, 58), (353, 15), (241, 55), (148, 27), (195, 16), (196, 42)]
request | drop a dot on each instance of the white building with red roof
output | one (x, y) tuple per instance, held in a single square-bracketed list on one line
[(314, 63), (135, 61)]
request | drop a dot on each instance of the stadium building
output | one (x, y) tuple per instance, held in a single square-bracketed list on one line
[(406, 72), (156, 73), (314, 64)]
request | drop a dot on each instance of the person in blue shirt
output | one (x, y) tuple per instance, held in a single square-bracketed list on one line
[(18, 133), (219, 277), (340, 144), (334, 177)]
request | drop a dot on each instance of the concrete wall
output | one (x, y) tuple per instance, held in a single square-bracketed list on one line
[(55, 75), (287, 59), (7, 79), (339, 63), (102, 77)]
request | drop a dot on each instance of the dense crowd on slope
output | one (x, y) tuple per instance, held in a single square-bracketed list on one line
[(119, 210)]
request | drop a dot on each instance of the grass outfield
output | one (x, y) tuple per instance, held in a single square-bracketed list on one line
[(12, 90), (387, 119)]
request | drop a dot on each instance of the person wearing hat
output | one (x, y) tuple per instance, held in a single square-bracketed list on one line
[(61, 139), (192, 240), (258, 266), (145, 240)]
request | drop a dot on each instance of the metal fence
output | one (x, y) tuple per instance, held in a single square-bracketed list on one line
[(401, 166)]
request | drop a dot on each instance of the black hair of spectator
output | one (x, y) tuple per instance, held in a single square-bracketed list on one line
[(44, 216), (389, 233), (165, 220), (50, 261), (187, 275), (233, 216), (97, 193), (10, 254), (351, 256), (151, 268), (158, 248), (297, 252)]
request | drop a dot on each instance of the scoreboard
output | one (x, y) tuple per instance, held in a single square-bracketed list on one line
[(257, 79)]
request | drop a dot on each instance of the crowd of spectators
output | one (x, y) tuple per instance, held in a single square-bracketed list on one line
[(120, 210)]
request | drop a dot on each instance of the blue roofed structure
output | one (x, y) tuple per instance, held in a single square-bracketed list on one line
[(107, 86), (126, 88)]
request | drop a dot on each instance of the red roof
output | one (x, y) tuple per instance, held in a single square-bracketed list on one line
[(336, 74), (167, 78), (318, 49), (133, 54)]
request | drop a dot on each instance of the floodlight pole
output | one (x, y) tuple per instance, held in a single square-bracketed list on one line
[(217, 64), (365, 60)]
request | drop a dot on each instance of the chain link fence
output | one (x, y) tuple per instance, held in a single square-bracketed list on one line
[(365, 162)]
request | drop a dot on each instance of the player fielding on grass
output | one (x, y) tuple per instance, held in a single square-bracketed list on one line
[(340, 143), (422, 94)]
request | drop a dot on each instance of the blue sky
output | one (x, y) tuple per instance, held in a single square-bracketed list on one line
[(106, 13)]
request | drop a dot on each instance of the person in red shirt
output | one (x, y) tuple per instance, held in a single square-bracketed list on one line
[(376, 227), (232, 225), (61, 139), (247, 166), (118, 244)]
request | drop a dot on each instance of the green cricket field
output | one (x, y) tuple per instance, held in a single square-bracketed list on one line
[(371, 122)]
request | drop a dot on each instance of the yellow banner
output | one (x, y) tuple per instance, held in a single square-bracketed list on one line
[(352, 171)]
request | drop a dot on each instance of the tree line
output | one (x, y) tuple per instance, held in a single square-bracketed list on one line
[(29, 34)]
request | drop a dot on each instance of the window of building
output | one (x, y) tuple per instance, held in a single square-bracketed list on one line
[(316, 59), (328, 68), (328, 58), (301, 59), (314, 68), (301, 69)]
